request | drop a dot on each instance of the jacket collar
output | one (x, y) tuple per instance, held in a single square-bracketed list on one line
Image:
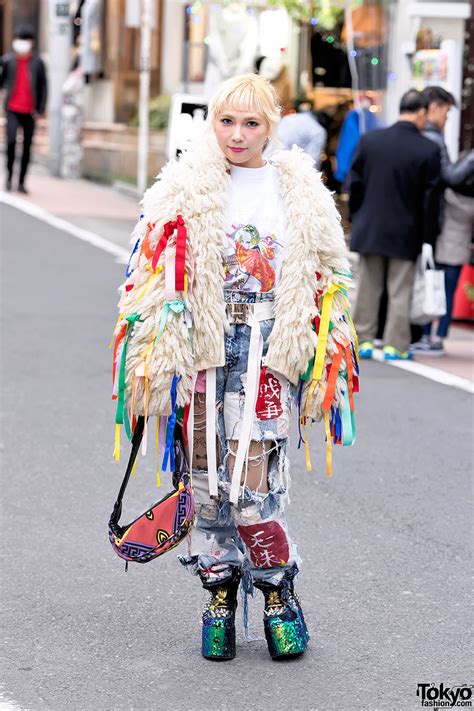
[(407, 125), (431, 127)]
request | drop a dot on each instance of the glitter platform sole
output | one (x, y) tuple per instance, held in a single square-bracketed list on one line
[(218, 639), (287, 635)]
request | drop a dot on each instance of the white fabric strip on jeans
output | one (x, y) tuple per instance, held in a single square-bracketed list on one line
[(211, 440), (190, 431), (260, 312)]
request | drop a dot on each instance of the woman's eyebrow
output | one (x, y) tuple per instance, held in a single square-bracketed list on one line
[(229, 114)]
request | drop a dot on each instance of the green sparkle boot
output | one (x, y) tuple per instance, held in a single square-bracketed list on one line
[(218, 620), (285, 629)]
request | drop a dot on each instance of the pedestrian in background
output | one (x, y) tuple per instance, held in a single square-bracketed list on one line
[(304, 130), (394, 206), (453, 246), (23, 75)]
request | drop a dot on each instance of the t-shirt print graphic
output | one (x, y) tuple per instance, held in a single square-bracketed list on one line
[(250, 261)]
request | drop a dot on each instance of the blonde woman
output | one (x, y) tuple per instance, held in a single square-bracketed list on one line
[(238, 313)]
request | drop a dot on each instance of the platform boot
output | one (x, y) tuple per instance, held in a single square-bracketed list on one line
[(285, 629), (218, 620)]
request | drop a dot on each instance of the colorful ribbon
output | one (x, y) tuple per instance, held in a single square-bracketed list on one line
[(181, 234), (169, 449), (176, 307)]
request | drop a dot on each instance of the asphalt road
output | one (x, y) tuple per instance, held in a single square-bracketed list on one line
[(385, 543)]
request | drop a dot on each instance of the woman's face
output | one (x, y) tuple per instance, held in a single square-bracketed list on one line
[(241, 136)]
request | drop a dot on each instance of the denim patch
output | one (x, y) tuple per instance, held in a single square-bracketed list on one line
[(252, 535)]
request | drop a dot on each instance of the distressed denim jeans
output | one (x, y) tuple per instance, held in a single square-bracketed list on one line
[(252, 536)]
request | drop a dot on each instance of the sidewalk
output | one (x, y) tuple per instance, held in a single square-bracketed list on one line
[(94, 207), (112, 215)]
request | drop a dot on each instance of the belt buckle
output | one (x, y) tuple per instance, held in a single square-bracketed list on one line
[(239, 313)]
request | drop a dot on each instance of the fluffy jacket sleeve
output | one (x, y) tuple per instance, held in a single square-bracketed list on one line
[(152, 341)]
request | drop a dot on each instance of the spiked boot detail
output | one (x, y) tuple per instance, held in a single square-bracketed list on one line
[(285, 628), (218, 620)]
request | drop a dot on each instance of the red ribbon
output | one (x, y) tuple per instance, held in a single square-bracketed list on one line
[(168, 231), (118, 339), (187, 408)]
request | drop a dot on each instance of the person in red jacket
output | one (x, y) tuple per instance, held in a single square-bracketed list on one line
[(23, 75)]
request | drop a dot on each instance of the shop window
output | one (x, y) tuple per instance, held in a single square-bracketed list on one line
[(195, 37)]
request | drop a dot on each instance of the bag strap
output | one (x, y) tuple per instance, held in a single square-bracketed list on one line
[(427, 257), (136, 441)]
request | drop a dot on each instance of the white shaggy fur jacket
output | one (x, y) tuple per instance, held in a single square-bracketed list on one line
[(314, 258)]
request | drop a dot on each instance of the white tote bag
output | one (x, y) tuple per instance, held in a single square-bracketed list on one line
[(429, 296)]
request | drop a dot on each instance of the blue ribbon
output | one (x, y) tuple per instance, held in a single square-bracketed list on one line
[(169, 449), (337, 425), (298, 400), (129, 271)]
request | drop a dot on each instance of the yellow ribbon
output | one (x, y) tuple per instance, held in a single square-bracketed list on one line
[(152, 278), (115, 329), (117, 443), (322, 340)]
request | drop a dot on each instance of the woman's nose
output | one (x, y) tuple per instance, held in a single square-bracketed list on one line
[(237, 134)]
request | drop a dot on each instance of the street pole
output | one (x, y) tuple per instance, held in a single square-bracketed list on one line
[(59, 52), (143, 127)]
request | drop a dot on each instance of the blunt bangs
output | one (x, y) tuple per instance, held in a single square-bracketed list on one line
[(247, 92)]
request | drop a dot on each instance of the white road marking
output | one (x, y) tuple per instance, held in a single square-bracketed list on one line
[(8, 705), (426, 371), (95, 240)]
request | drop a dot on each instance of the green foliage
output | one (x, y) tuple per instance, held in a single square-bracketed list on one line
[(302, 10), (158, 113)]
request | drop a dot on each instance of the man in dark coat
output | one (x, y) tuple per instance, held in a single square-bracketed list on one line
[(23, 75), (394, 207)]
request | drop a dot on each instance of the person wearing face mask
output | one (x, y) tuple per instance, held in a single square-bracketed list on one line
[(23, 76)]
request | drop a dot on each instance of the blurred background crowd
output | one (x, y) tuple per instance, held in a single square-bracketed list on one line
[(110, 89)]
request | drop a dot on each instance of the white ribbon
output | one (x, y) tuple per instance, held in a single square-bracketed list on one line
[(211, 431), (190, 431), (260, 312)]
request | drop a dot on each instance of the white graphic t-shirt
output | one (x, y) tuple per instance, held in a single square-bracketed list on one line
[(255, 226)]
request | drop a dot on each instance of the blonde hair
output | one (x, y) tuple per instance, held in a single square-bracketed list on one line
[(247, 92)]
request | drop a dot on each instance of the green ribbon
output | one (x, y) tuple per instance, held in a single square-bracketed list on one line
[(348, 423), (119, 418), (176, 307)]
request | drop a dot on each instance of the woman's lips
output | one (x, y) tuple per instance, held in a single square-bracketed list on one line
[(237, 150)]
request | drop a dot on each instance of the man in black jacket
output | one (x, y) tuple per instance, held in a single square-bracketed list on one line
[(23, 75), (394, 206)]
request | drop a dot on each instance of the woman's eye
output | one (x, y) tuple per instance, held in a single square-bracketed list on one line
[(252, 124), (226, 121)]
